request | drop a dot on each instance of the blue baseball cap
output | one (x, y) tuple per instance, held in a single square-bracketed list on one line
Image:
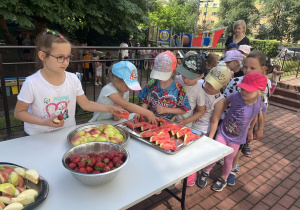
[(232, 45), (127, 71)]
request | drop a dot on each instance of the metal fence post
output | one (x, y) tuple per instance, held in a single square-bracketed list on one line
[(5, 102)]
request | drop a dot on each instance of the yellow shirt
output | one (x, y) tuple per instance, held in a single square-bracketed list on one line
[(86, 64)]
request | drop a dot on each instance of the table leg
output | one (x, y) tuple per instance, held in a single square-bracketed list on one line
[(182, 199)]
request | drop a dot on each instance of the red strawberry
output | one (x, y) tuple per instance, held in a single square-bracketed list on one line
[(82, 170), (106, 169), (110, 156), (60, 117), (92, 154), (96, 172), (99, 166), (106, 160), (81, 164), (76, 169), (116, 160), (72, 165), (89, 169), (110, 165), (120, 162), (76, 160), (121, 155), (93, 162)]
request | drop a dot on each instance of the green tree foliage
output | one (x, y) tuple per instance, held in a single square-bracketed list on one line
[(176, 13), (233, 10), (283, 20), (105, 16)]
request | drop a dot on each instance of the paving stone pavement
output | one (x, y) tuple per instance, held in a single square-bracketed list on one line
[(268, 180)]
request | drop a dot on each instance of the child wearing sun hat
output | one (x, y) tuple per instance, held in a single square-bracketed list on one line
[(162, 94), (116, 93)]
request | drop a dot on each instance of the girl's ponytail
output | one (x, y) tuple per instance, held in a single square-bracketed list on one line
[(260, 116)]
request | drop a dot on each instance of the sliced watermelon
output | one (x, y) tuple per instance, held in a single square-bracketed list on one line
[(168, 146), (147, 134), (183, 131), (147, 126), (161, 135), (139, 125), (176, 129), (136, 121), (130, 124), (124, 115), (142, 119), (190, 137), (160, 141)]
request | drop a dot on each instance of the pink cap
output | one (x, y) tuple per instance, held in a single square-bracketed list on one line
[(253, 81), (164, 65)]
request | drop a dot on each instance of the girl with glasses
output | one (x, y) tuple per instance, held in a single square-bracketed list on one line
[(52, 91)]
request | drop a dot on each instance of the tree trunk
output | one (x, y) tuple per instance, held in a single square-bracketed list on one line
[(5, 31)]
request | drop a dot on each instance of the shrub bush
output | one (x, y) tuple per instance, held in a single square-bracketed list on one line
[(269, 47)]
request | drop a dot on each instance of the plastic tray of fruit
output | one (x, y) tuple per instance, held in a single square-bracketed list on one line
[(98, 132), (167, 136), (27, 179)]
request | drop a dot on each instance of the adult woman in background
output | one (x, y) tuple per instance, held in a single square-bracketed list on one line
[(239, 29)]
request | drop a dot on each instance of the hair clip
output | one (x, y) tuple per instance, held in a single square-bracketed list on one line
[(61, 37), (53, 33)]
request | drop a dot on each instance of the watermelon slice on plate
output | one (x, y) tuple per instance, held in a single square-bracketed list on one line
[(190, 137), (130, 124), (168, 146), (175, 129), (147, 134), (183, 131)]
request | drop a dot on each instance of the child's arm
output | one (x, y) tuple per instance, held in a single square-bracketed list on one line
[(214, 120), (258, 134), (163, 110), (200, 110), (118, 99), (225, 104), (92, 106), (21, 113), (250, 131)]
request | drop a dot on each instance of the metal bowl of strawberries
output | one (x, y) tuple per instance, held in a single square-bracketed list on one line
[(95, 163)]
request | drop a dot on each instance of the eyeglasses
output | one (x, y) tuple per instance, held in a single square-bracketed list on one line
[(60, 59)]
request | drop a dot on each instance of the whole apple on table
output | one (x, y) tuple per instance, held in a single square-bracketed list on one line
[(13, 194), (103, 132)]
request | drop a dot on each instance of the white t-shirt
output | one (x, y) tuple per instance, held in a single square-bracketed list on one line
[(103, 98), (196, 96), (48, 100), (203, 123), (124, 52), (232, 88)]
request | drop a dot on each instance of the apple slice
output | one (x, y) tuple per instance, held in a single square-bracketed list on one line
[(7, 188), (20, 171), (8, 169), (17, 192), (23, 200), (21, 189), (3, 175), (14, 206), (2, 206), (14, 178), (5, 199), (28, 192), (32, 175)]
